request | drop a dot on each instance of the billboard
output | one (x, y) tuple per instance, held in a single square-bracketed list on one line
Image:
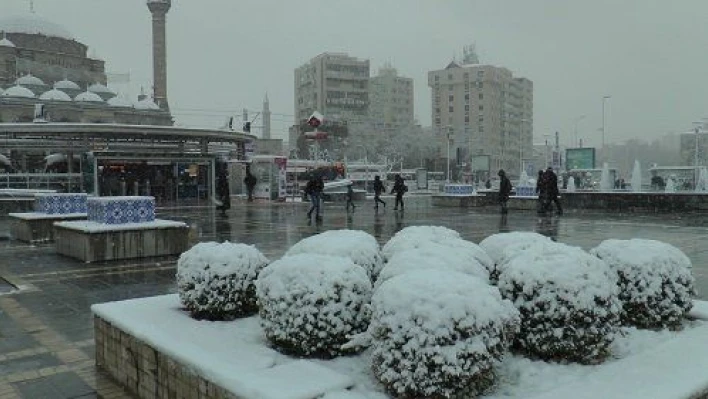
[(580, 158), (481, 163)]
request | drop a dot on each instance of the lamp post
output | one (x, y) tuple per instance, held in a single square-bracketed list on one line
[(449, 138), (577, 120), (603, 125), (695, 156), (521, 146)]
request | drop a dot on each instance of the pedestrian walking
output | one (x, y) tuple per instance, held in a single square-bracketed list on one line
[(542, 192), (378, 189), (250, 181), (551, 180), (314, 190), (350, 198), (223, 192), (399, 188), (504, 191)]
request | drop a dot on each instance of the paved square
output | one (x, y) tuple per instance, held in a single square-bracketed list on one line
[(46, 330)]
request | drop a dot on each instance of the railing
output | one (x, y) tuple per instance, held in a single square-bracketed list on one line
[(61, 182)]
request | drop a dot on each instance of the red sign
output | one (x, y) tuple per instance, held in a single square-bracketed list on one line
[(316, 135)]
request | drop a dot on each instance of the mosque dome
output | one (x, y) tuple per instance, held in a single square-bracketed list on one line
[(18, 91), (6, 43), (147, 104), (34, 25), (88, 97), (55, 95), (29, 80), (120, 102), (66, 85), (99, 88)]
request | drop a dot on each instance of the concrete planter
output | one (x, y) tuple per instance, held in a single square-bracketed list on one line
[(121, 242), (36, 227)]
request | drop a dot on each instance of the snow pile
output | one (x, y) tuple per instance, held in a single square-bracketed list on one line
[(216, 281), (439, 334), (655, 281), (436, 257), (311, 303), (568, 301), (502, 247), (411, 237), (359, 246)]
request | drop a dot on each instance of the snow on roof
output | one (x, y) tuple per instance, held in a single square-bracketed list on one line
[(34, 25), (146, 104), (29, 80), (6, 43), (66, 85), (18, 91), (89, 97), (100, 88), (55, 95), (120, 102)]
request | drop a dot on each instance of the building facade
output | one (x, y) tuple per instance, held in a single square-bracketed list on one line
[(334, 84), (392, 99), (41, 63), (482, 110)]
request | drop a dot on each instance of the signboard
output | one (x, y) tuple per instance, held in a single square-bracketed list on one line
[(481, 163), (579, 158), (281, 163), (421, 177)]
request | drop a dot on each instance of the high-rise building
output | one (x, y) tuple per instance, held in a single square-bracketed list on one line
[(266, 118), (334, 84), (391, 99), (483, 110)]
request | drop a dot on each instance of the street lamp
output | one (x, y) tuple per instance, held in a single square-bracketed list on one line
[(521, 146), (695, 156), (449, 138), (577, 120), (603, 125)]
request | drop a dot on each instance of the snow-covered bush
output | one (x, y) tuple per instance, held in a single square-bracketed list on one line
[(413, 235), (655, 281), (216, 281), (310, 303), (502, 247), (568, 301), (439, 334), (434, 256), (361, 247)]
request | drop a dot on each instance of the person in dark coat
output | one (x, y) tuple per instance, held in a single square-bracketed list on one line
[(223, 193), (314, 191), (504, 190), (399, 188), (378, 189), (350, 198), (551, 180), (542, 192), (250, 181)]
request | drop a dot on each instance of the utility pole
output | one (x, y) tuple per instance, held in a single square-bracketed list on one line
[(603, 126)]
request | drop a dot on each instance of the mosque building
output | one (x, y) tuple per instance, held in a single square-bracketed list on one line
[(41, 62)]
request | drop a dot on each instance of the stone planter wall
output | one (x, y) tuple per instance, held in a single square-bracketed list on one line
[(37, 230), (10, 205), (121, 244), (145, 372)]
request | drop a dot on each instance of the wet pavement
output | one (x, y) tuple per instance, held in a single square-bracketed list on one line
[(46, 330)]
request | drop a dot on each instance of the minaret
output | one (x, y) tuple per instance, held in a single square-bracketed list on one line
[(266, 118), (159, 9)]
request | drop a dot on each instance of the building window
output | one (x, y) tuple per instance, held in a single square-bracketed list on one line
[(480, 74), (481, 107), (467, 107), (450, 109), (437, 78), (481, 96), (437, 110), (450, 98), (450, 87), (467, 97), (467, 119), (449, 76), (467, 75), (437, 121)]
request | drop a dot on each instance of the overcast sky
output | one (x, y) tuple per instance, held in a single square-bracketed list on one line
[(223, 55)]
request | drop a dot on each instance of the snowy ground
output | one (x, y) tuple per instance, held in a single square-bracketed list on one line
[(235, 355)]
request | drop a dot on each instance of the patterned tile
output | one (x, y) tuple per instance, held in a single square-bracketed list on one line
[(121, 210), (61, 203)]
